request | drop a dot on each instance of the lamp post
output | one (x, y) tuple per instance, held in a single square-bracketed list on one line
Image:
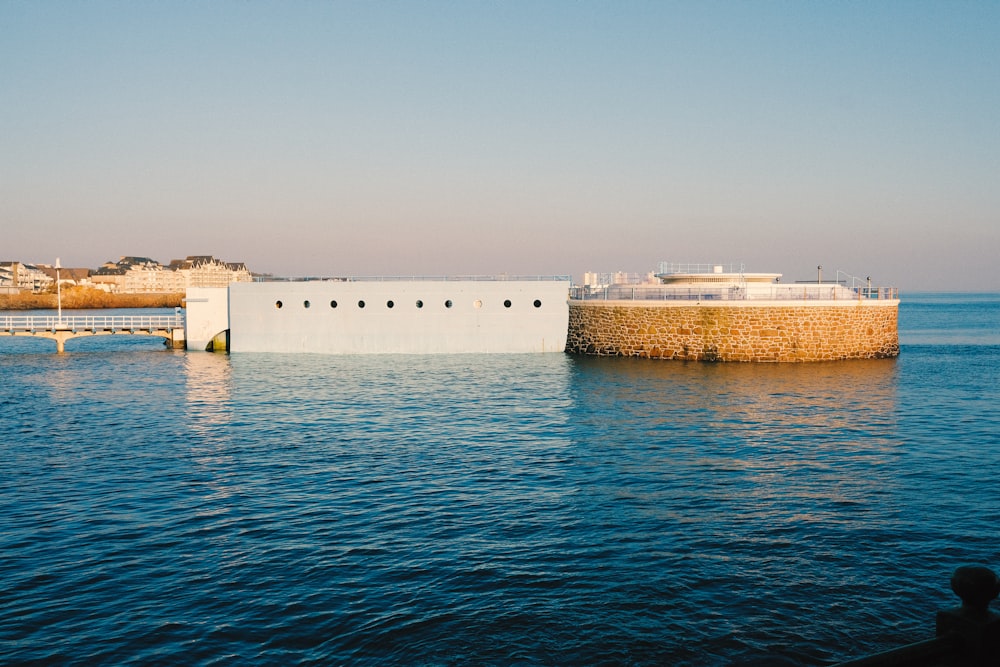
[(58, 292)]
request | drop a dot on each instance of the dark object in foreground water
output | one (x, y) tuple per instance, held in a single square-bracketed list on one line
[(976, 627), (966, 636)]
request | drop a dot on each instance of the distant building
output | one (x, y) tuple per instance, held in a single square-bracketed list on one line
[(594, 280), (133, 275), (66, 275), (206, 271), (24, 277)]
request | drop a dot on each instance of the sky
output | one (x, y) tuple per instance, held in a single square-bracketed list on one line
[(487, 137)]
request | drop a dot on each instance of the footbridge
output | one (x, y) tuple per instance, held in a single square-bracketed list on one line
[(61, 329)]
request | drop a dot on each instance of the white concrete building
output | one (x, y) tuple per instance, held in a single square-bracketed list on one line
[(383, 316)]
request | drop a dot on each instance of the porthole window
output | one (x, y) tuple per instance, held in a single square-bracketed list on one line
[(333, 304), (278, 304), (506, 303), (306, 304), (477, 303), (538, 304), (389, 304), (447, 304), (420, 303), (361, 304)]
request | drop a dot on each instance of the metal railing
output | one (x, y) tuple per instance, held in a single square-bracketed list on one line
[(351, 279), (699, 267), (808, 292), (10, 323)]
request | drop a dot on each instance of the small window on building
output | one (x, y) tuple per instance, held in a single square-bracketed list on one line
[(538, 304), (506, 303), (306, 304), (447, 304), (420, 303), (333, 304), (389, 304), (278, 304), (361, 304)]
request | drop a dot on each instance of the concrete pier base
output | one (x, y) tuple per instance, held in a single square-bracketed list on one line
[(752, 331)]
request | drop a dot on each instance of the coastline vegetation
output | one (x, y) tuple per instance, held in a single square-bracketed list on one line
[(81, 297)]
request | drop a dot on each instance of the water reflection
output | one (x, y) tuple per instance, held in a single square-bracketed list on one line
[(745, 402), (209, 409), (776, 443), (208, 389), (347, 397)]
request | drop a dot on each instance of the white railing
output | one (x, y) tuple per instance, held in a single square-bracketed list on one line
[(802, 292), (93, 322), (681, 267), (352, 279)]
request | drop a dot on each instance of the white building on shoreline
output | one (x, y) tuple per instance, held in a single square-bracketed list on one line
[(129, 275), (23, 277), (142, 275)]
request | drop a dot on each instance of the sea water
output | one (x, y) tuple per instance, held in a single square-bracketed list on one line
[(170, 507)]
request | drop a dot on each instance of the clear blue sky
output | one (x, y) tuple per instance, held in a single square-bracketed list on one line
[(364, 138)]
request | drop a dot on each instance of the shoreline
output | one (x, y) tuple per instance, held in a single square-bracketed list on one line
[(77, 299)]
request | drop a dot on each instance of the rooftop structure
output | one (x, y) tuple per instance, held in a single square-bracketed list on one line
[(718, 282)]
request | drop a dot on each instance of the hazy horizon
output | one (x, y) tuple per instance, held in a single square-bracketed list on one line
[(440, 138)]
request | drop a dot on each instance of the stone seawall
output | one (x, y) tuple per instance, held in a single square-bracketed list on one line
[(739, 331)]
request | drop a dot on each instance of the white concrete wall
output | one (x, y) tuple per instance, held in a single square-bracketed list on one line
[(477, 320), (207, 315)]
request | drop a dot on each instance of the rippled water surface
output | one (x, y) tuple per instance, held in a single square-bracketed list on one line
[(190, 508)]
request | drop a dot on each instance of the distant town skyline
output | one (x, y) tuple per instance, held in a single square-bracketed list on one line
[(430, 138), (129, 274)]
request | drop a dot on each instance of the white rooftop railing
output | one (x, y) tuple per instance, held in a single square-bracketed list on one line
[(795, 292), (348, 279), (716, 267)]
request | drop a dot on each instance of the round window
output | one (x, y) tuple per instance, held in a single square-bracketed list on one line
[(447, 304), (278, 304), (361, 304)]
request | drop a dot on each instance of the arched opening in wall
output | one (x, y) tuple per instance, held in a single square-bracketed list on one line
[(219, 342)]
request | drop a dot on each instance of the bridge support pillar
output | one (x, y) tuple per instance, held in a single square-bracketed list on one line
[(177, 339), (61, 337)]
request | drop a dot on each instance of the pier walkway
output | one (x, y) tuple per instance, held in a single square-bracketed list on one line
[(61, 329)]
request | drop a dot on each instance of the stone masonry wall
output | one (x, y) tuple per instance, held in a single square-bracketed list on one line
[(742, 332)]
